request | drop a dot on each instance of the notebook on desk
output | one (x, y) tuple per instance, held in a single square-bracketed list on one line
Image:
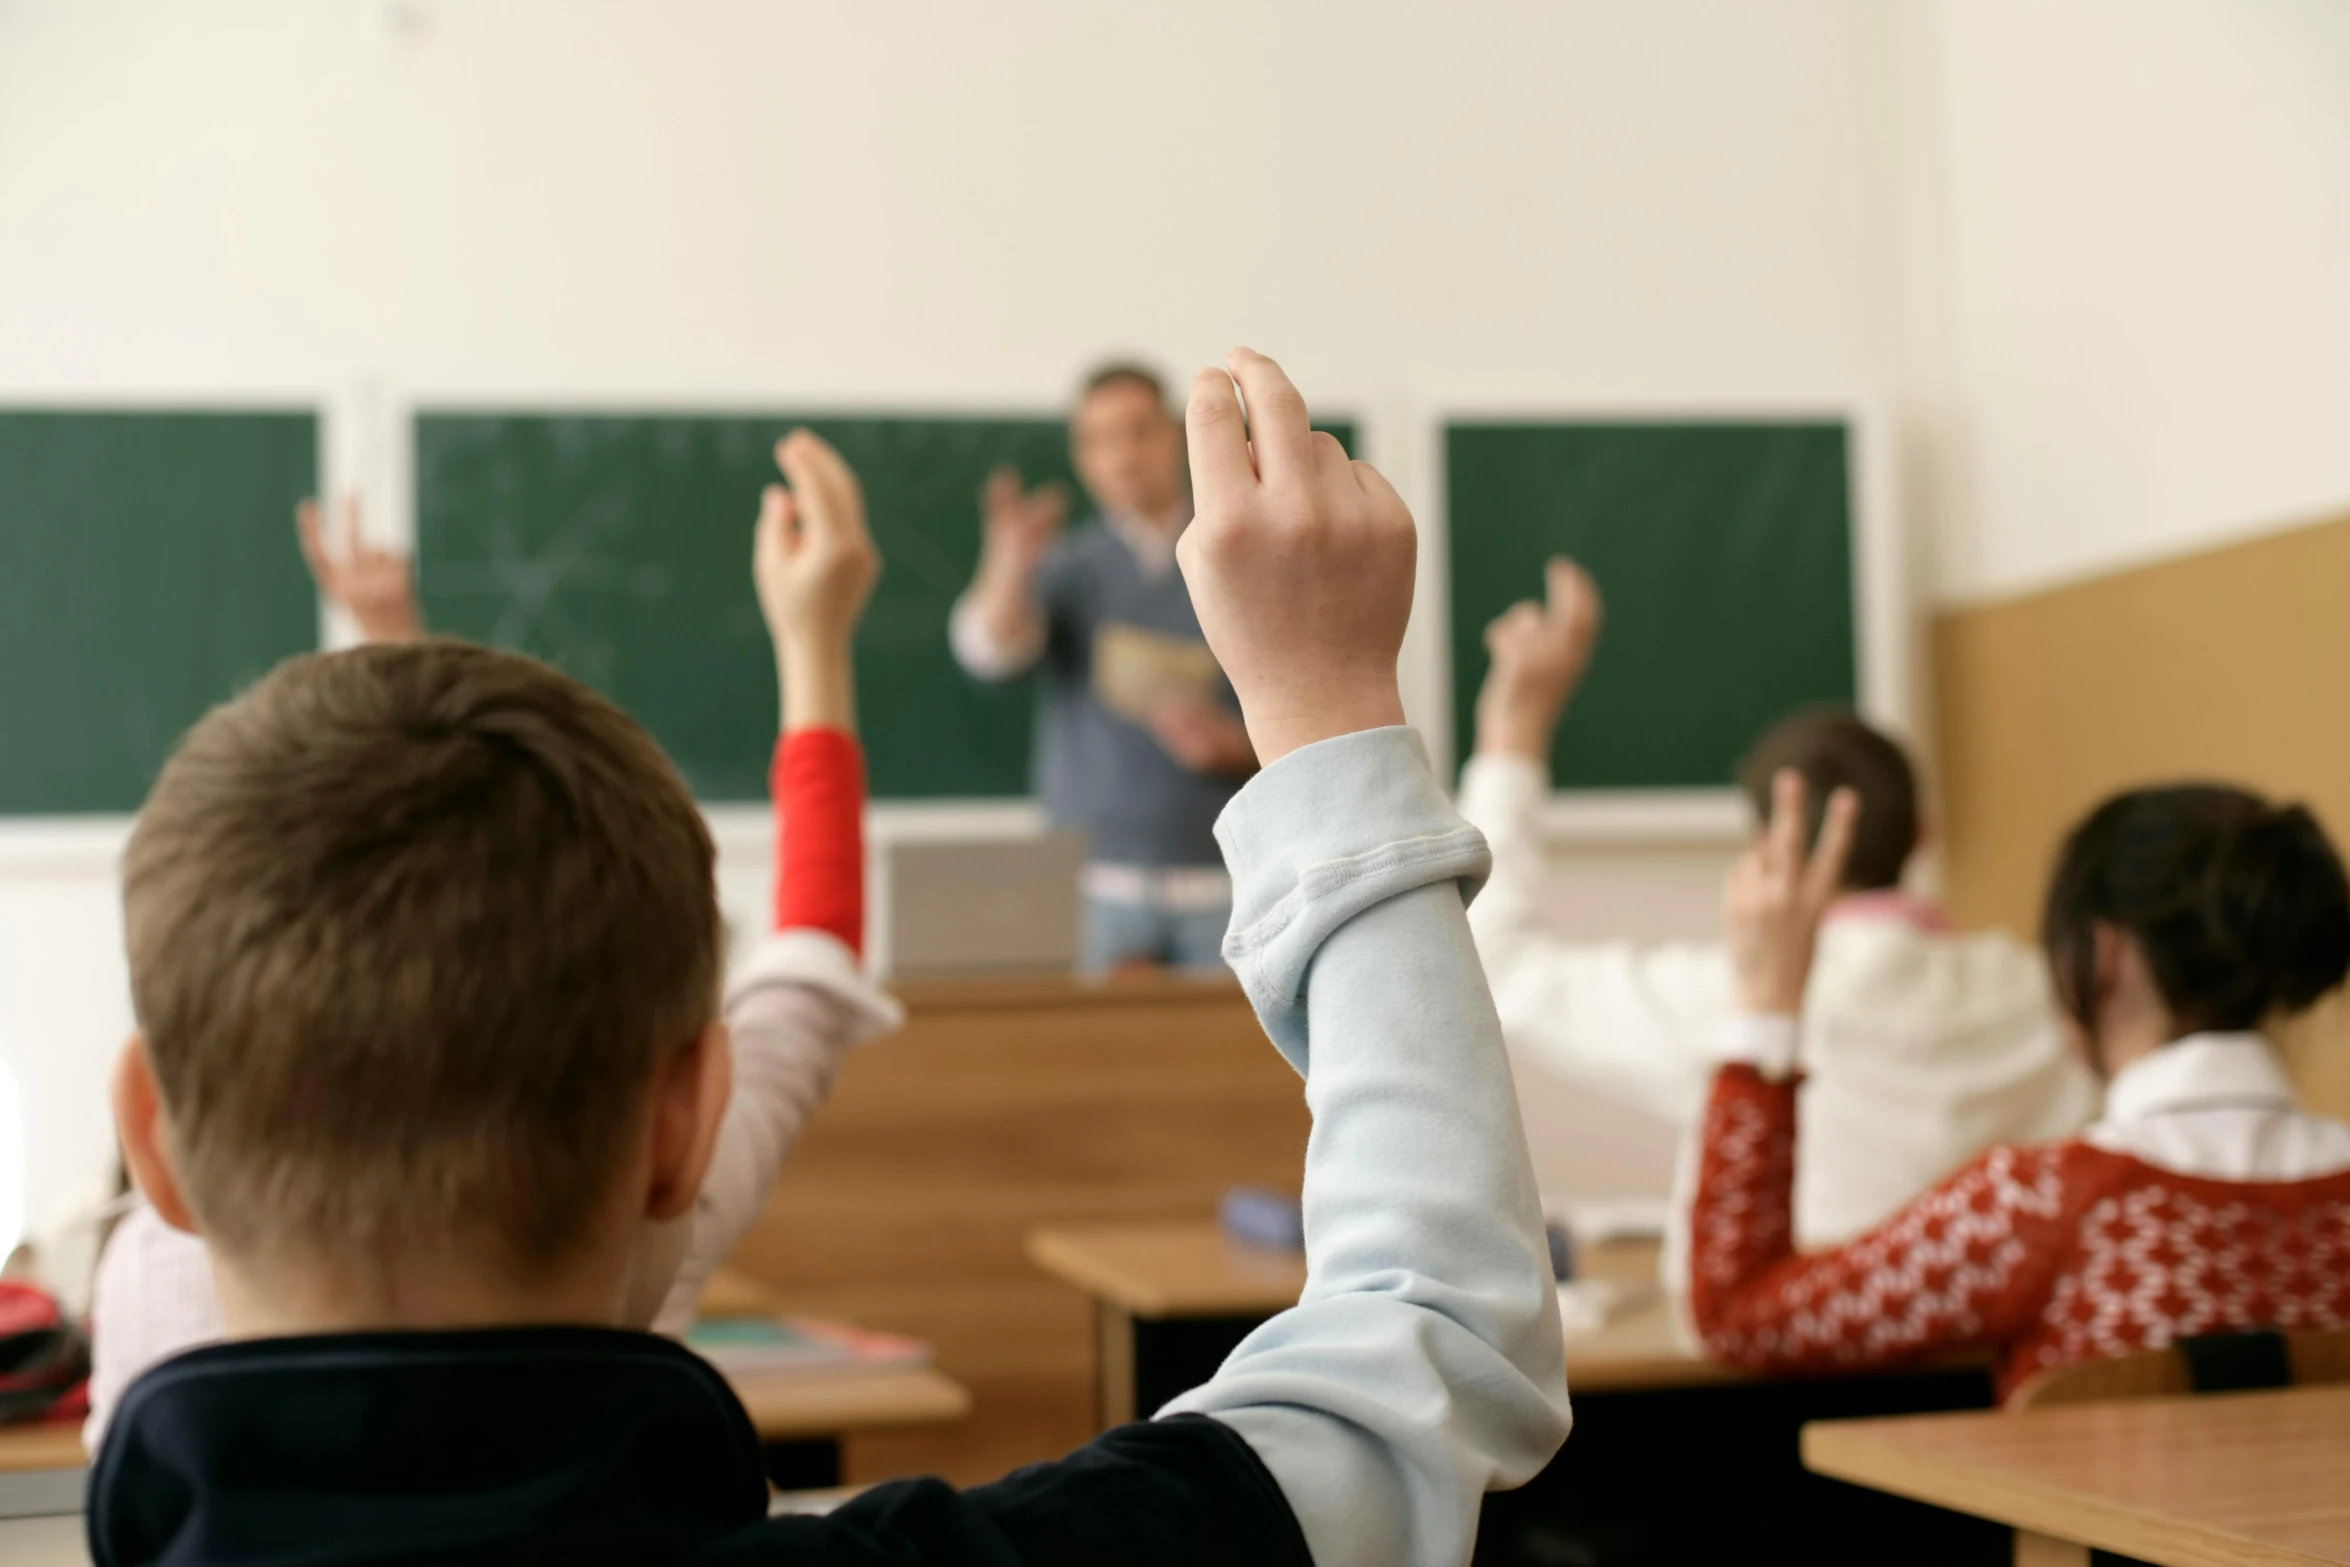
[(799, 1346)]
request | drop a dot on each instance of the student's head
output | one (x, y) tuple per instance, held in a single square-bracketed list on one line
[(1832, 749), (1126, 443), (424, 949), (2188, 909)]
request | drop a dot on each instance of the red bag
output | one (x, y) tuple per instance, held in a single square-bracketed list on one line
[(44, 1360)]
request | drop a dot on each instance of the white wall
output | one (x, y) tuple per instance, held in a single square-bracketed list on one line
[(2145, 290), (1676, 203)]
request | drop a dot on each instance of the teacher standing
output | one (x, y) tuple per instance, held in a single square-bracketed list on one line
[(1141, 743)]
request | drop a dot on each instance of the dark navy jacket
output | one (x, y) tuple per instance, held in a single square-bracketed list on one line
[(584, 1445)]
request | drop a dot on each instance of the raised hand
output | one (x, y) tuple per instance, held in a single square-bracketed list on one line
[(1776, 896), (1539, 653), (1019, 525), (1300, 562), (815, 567), (375, 587)]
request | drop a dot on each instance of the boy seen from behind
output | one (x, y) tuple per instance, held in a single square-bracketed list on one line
[(424, 949), (793, 1010)]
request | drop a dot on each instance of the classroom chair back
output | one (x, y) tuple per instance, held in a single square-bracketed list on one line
[(2218, 1363)]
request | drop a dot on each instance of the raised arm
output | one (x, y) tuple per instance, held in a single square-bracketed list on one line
[(1631, 1021), (802, 1001), (1422, 1366), (998, 626)]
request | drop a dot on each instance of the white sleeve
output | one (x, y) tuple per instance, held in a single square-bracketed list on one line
[(1636, 1023), (797, 1008), (1422, 1366), (977, 650), (153, 1298)]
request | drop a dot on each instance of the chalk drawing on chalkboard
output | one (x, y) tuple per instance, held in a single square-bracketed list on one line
[(529, 586)]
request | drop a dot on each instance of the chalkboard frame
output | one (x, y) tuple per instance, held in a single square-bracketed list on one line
[(1883, 600)]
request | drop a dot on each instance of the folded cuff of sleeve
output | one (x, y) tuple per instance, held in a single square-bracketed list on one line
[(820, 961), (1766, 1041), (1318, 837), (1496, 787)]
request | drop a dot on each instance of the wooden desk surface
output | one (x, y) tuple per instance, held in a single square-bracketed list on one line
[(44, 1446), (2225, 1480), (797, 1408), (1187, 1268)]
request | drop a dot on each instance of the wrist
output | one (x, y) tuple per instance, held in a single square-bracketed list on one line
[(1275, 734), (1771, 997), (816, 677), (1517, 728), (400, 626)]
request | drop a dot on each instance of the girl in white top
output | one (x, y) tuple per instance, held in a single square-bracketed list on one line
[(1922, 1046)]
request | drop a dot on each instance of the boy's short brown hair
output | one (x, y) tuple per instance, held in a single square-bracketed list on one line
[(410, 929), (1832, 748)]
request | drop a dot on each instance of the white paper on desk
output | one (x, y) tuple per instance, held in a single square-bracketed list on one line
[(1587, 1305)]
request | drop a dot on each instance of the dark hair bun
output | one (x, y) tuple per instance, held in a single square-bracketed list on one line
[(2241, 907), (2278, 894)]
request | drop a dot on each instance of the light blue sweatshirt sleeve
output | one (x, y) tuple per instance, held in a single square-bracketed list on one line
[(1422, 1366)]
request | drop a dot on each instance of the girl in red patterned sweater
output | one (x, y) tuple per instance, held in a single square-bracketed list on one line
[(2205, 1200)]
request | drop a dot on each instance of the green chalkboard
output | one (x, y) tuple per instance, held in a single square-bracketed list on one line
[(147, 570), (1724, 551), (618, 546)]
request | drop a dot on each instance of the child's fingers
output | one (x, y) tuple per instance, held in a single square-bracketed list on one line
[(1331, 464), (1783, 838), (840, 482), (1566, 586), (1375, 485), (772, 535), (347, 537), (1278, 429), (1510, 625), (1221, 474), (313, 535), (822, 494), (1823, 879)]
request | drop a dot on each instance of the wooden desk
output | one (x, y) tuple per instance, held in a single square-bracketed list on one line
[(46, 1446), (2225, 1480), (1168, 1294), (1004, 1106)]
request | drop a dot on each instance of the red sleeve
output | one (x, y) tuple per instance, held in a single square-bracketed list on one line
[(1964, 1266), (818, 783)]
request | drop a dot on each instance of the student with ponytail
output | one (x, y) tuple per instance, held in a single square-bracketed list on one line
[(2180, 921)]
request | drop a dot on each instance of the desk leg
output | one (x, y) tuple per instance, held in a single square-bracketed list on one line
[(2042, 1550), (1114, 1365)]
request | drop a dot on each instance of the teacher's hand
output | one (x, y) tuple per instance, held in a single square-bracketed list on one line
[(1019, 525)]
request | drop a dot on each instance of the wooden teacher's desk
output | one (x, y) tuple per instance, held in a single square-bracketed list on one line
[(2224, 1480), (1004, 1106)]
